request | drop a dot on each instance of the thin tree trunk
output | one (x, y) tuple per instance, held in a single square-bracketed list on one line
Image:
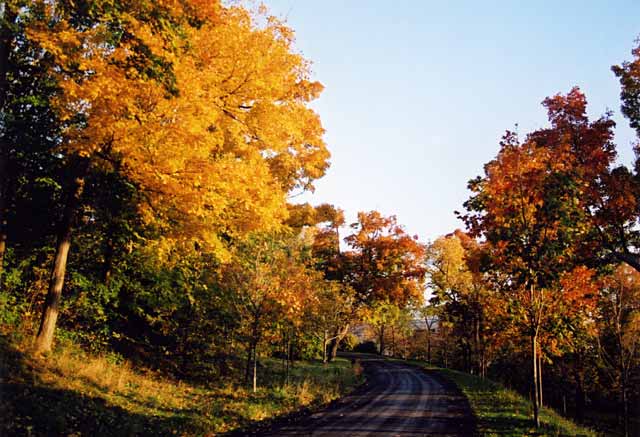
[(6, 38), (540, 379), (255, 368), (284, 359), (393, 342), (247, 367), (580, 394), (44, 339), (445, 353), (625, 406), (536, 404), (3, 200), (288, 358), (324, 347), (426, 321), (109, 255), (382, 340)]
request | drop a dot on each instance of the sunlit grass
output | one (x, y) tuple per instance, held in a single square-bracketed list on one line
[(71, 392), (503, 412)]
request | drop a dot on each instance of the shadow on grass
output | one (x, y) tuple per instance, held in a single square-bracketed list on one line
[(501, 412), (30, 408), (41, 411)]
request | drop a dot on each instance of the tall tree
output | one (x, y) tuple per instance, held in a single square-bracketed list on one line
[(134, 79), (528, 207)]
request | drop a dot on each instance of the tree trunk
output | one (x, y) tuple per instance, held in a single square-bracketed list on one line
[(247, 367), (44, 339), (445, 354), (540, 379), (382, 340), (476, 344), (324, 347), (255, 368), (394, 352), (109, 255), (288, 358), (3, 200), (625, 406), (285, 362), (426, 321), (335, 343), (536, 404), (580, 396), (6, 37)]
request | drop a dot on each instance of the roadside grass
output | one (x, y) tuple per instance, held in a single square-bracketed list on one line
[(73, 393), (503, 412)]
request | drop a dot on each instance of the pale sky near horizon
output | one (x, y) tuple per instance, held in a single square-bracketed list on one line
[(418, 93)]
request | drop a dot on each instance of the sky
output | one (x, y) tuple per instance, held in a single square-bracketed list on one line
[(418, 93)]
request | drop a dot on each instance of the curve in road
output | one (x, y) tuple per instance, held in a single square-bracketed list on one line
[(397, 400)]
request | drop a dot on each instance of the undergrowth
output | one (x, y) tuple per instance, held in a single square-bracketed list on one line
[(71, 392)]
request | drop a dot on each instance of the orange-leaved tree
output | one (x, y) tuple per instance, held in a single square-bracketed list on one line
[(529, 208), (385, 264)]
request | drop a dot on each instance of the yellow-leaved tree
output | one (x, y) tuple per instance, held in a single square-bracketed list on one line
[(202, 106)]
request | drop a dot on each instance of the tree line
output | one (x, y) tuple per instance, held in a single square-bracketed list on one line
[(149, 152), (546, 275)]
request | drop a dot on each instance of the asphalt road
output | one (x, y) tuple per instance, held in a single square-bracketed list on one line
[(397, 400)]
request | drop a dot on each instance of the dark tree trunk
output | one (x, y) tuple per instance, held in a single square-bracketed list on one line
[(625, 406), (44, 339), (382, 340), (247, 367), (428, 344), (581, 400), (109, 255), (6, 38), (394, 350)]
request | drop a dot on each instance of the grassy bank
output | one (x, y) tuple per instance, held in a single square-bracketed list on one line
[(77, 394), (503, 412)]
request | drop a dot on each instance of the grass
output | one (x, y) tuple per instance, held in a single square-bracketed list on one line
[(74, 393), (503, 412)]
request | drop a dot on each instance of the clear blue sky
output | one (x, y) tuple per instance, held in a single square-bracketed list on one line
[(418, 93)]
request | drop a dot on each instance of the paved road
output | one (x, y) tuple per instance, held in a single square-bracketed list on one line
[(397, 400)]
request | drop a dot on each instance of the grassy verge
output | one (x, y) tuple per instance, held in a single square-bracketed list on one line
[(73, 393), (503, 412)]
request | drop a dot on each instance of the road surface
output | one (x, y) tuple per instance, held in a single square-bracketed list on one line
[(397, 400)]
